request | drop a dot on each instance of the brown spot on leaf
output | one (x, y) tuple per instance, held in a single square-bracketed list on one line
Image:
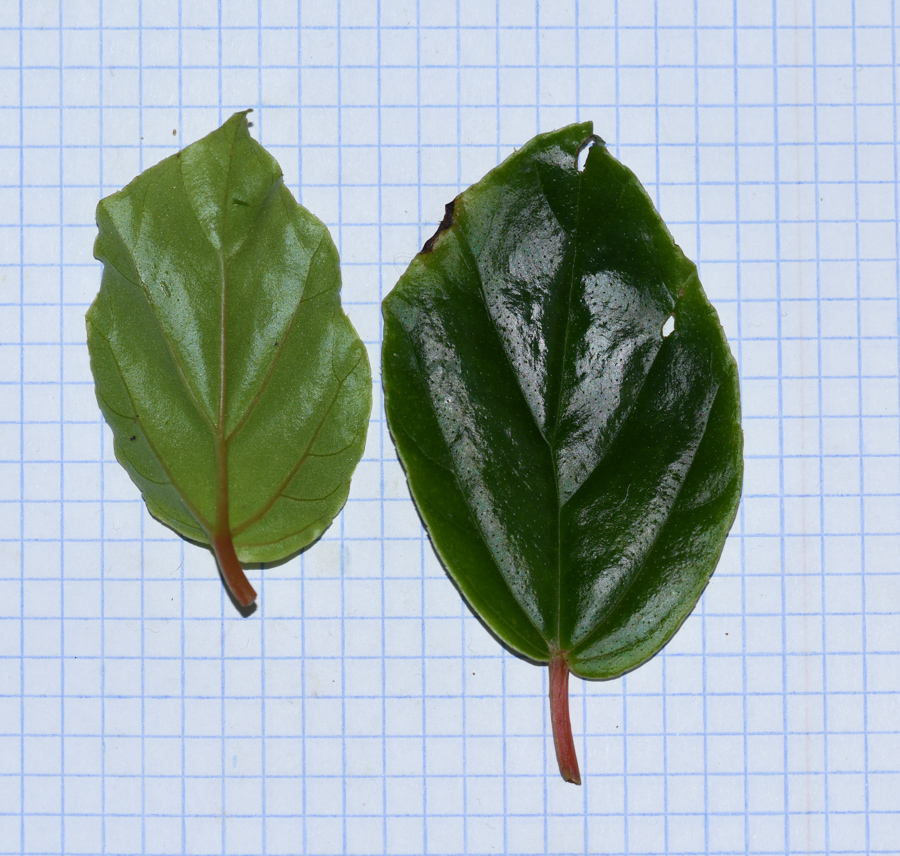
[(446, 223)]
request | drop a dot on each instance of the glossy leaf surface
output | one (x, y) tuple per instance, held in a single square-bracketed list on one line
[(236, 388), (577, 465)]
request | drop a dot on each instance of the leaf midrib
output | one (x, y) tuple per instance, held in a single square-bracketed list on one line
[(559, 399), (220, 446)]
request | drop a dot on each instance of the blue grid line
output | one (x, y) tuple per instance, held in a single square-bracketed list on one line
[(635, 146), (183, 635), (464, 660), (714, 774), (514, 815), (862, 508), (896, 165), (103, 792), (782, 522), (381, 448), (665, 673), (326, 67), (820, 396), (22, 437), (745, 781), (142, 547), (433, 618), (460, 814), (62, 484), (692, 27), (340, 243), (262, 581), (782, 526), (673, 221)]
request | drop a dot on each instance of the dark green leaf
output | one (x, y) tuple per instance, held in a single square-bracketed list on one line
[(577, 465), (236, 388)]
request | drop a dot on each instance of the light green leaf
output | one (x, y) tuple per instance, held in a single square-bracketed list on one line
[(577, 465), (235, 386)]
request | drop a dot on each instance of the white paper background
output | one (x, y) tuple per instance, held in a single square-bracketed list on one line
[(363, 709)]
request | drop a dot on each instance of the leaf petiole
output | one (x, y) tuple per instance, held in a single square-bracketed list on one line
[(232, 572), (559, 718)]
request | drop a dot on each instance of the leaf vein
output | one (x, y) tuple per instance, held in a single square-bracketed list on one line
[(290, 535), (192, 394), (422, 451), (339, 451), (493, 322), (619, 429), (643, 564), (296, 468), (313, 498), (477, 526), (559, 398), (201, 520), (281, 347)]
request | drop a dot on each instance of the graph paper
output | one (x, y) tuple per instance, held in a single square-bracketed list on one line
[(363, 709)]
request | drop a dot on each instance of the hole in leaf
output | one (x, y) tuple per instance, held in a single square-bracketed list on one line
[(581, 155), (669, 326)]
